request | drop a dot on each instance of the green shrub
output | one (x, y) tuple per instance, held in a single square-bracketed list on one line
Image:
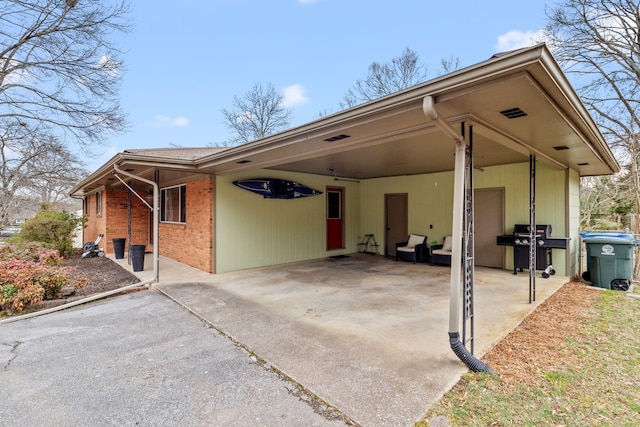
[(54, 229)]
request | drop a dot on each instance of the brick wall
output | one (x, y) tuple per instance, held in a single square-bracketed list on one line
[(95, 223), (191, 243), (117, 212)]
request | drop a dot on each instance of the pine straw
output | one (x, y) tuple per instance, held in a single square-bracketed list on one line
[(534, 347)]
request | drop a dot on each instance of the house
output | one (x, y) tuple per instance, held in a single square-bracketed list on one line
[(389, 167)]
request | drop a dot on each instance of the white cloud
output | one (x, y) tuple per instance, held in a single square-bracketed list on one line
[(108, 65), (166, 121), (518, 39), (294, 95)]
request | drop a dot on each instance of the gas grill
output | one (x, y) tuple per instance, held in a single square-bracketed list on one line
[(521, 240)]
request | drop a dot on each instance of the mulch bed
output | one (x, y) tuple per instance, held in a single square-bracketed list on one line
[(534, 346), (103, 273)]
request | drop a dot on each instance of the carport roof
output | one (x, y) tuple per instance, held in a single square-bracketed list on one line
[(519, 103)]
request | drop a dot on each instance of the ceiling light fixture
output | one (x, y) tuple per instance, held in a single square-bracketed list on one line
[(335, 177)]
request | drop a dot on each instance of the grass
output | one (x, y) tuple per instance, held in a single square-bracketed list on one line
[(602, 390)]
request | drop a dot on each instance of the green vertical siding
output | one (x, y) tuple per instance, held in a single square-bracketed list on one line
[(252, 231), (431, 200)]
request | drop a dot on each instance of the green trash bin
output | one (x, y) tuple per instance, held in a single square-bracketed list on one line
[(611, 261)]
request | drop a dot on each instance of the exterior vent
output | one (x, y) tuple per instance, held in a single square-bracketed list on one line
[(560, 147), (242, 162), (513, 113), (337, 137), (583, 164)]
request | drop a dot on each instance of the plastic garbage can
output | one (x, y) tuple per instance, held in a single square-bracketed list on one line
[(137, 257), (118, 247), (586, 275), (611, 261)]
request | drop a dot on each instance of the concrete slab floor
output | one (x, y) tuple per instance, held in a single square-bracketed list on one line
[(366, 334)]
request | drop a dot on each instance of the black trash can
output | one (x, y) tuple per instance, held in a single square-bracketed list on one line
[(118, 247), (137, 257)]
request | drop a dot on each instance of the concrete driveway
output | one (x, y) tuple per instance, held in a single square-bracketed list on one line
[(366, 334), (138, 359)]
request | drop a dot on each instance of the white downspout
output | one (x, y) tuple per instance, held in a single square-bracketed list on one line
[(156, 219), (428, 107)]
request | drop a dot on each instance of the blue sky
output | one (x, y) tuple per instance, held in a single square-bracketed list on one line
[(185, 60)]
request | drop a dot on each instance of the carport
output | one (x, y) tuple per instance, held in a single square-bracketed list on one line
[(518, 106)]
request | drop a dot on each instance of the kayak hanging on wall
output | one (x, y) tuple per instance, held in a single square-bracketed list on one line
[(273, 188)]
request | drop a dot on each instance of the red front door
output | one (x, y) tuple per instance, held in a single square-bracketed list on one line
[(335, 218)]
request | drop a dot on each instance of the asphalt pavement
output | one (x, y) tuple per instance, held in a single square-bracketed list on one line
[(140, 360)]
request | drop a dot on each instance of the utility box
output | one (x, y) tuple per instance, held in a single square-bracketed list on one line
[(611, 261)]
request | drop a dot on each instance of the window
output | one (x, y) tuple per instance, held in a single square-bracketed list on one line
[(87, 204), (99, 203), (173, 204)]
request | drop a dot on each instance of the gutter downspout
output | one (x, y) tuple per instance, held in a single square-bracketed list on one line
[(156, 227), (428, 108)]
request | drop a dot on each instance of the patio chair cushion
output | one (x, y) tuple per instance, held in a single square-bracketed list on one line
[(440, 252), (447, 245), (414, 240)]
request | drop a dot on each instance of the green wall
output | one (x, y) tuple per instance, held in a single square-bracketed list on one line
[(252, 231), (430, 199)]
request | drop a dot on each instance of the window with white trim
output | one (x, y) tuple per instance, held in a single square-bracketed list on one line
[(173, 204)]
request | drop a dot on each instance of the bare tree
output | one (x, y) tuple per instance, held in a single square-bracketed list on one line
[(384, 79), (35, 168), (258, 114), (59, 68), (598, 44)]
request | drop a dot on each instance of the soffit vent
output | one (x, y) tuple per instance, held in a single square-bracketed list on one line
[(337, 137), (242, 162), (560, 147), (513, 113)]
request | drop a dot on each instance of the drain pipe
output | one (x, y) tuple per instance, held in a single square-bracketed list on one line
[(156, 210), (475, 365)]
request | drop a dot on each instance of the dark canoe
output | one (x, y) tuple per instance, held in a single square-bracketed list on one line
[(272, 188)]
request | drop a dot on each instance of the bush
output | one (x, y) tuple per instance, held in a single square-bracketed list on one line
[(30, 251), (30, 273), (54, 229)]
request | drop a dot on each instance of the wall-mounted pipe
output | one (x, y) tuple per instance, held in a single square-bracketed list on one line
[(156, 218), (428, 107)]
